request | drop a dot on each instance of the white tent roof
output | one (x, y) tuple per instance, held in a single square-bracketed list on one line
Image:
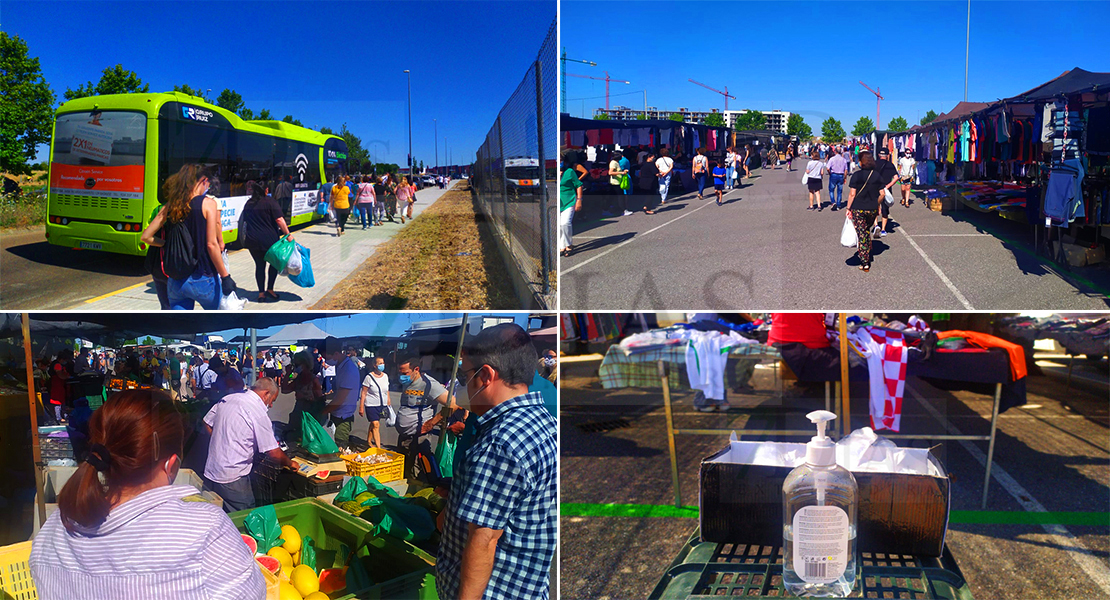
[(291, 334)]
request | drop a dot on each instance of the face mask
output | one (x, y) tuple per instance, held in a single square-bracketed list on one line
[(548, 361), (406, 379), (381, 368), (466, 404)]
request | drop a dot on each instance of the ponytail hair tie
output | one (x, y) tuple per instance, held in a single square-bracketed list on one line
[(99, 458)]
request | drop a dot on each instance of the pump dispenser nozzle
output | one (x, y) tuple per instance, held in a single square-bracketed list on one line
[(821, 418)]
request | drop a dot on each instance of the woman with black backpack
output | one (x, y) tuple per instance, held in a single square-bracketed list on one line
[(193, 241), (261, 225)]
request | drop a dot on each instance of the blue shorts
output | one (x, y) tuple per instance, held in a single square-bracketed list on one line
[(374, 413)]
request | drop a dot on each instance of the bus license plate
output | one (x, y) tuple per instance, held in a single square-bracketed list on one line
[(90, 245)]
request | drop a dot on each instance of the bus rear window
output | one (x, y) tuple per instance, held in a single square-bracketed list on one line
[(108, 138)]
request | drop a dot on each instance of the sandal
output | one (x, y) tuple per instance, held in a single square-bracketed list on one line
[(649, 212), (272, 294), (261, 297)]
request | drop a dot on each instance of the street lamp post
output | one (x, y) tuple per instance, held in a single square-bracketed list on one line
[(435, 122), (410, 122), (967, 48)]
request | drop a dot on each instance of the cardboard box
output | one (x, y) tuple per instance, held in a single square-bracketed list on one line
[(1081, 256), (899, 513)]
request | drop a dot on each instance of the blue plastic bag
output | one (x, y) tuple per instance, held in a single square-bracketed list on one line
[(322, 208), (305, 278)]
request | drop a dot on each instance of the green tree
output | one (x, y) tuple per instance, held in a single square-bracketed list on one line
[(148, 341), (354, 145), (230, 100), (641, 117), (327, 130), (897, 124), (246, 114), (601, 117), (187, 89), (796, 125), (26, 102), (831, 130), (264, 115), (114, 80), (383, 168), (753, 120), (863, 125), (290, 119), (677, 117), (929, 117), (714, 120)]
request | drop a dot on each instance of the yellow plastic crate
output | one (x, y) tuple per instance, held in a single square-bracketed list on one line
[(393, 470), (15, 573)]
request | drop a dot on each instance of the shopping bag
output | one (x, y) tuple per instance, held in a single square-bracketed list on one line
[(232, 302), (293, 267), (626, 183), (888, 197), (389, 416), (308, 553), (304, 278), (445, 453), (278, 254), (805, 178), (351, 489), (322, 208), (262, 525), (848, 237), (314, 438)]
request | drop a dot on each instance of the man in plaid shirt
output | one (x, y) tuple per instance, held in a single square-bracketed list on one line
[(499, 530)]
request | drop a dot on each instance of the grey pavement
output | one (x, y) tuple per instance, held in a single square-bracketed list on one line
[(763, 249), (99, 281), (1052, 453)]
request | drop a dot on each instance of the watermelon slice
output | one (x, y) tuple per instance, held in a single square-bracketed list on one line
[(251, 543), (333, 580), (269, 563), (323, 474)]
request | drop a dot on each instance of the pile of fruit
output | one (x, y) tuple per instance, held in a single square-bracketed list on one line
[(371, 459), (296, 581)]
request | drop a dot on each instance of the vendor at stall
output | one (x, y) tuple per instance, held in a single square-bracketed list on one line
[(499, 529), (420, 394), (122, 529), (240, 427)]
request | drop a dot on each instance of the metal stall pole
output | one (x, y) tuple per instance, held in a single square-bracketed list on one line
[(36, 450), (1071, 363), (254, 355), (545, 225), (670, 432), (846, 404), (990, 445)]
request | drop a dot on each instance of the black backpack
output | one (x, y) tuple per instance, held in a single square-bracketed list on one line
[(179, 258)]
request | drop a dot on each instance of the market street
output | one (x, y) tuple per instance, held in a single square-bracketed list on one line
[(37, 275), (763, 248), (1051, 457)]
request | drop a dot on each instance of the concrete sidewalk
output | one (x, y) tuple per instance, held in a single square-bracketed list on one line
[(333, 259)]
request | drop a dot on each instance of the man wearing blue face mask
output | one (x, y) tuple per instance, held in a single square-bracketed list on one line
[(421, 396), (499, 526), (346, 387)]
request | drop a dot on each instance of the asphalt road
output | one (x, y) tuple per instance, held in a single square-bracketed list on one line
[(762, 248), (1047, 454)]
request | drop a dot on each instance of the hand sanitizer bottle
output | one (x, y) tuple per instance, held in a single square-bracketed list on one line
[(819, 505)]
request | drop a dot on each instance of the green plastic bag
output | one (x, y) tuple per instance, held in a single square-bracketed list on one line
[(377, 488), (358, 578), (278, 254), (626, 183), (353, 487), (262, 525), (314, 438), (399, 517), (308, 553), (445, 454)]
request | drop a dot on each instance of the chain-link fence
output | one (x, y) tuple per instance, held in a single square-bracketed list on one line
[(514, 177)]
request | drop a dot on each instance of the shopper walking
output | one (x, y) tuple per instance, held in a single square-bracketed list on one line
[(391, 186), (749, 156), (789, 158), (626, 167), (701, 171), (864, 190), (665, 164), (379, 201), (260, 226), (837, 168), (616, 195), (719, 175), (367, 202), (813, 180), (907, 166), (570, 200), (375, 399), (730, 167), (888, 176), (189, 205), (649, 184), (405, 197), (341, 203)]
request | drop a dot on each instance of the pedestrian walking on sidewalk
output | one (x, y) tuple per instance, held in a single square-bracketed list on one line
[(888, 176), (701, 171), (907, 166), (406, 195), (379, 201), (366, 202), (837, 168), (188, 204), (570, 200), (813, 180), (748, 157), (649, 183), (864, 191), (391, 198), (719, 175), (789, 158), (626, 167), (260, 227), (341, 203), (616, 194), (665, 164)]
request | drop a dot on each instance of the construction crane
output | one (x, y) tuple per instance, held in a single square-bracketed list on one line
[(878, 100), (724, 93), (606, 79), (563, 80)]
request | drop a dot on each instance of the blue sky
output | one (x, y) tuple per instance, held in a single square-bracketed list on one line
[(325, 63), (809, 57)]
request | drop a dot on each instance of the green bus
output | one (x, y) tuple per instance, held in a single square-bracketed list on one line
[(109, 156)]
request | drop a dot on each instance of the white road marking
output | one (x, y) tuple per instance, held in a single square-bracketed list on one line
[(1062, 538), (936, 269), (640, 236), (953, 235)]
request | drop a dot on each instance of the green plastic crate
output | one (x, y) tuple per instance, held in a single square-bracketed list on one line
[(707, 570), (401, 570)]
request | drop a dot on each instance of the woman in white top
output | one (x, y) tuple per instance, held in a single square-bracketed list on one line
[(375, 397), (701, 171), (813, 180), (665, 164), (730, 167), (123, 531)]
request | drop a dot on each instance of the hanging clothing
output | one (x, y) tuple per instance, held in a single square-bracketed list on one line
[(886, 355), (983, 340), (706, 358)]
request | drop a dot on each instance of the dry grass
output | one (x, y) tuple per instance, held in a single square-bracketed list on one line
[(452, 264), (28, 209)]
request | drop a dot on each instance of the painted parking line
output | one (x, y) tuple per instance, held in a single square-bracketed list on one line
[(1093, 566), (110, 294), (944, 278)]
